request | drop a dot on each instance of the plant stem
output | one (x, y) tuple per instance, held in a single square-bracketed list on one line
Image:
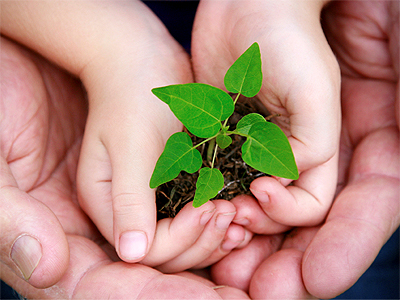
[(205, 141), (210, 149), (212, 140), (236, 99), (234, 103), (214, 155)]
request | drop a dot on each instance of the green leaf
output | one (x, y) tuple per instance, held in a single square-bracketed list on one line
[(245, 123), (209, 183), (223, 141), (245, 75), (267, 149), (178, 155), (200, 107)]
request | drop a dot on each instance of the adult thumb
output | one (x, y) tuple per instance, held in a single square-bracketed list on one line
[(33, 244)]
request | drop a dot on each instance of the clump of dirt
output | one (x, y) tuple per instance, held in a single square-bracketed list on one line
[(173, 196)]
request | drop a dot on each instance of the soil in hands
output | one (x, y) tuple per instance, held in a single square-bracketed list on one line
[(174, 195)]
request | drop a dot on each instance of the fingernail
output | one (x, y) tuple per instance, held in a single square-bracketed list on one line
[(242, 221), (26, 254), (223, 220), (228, 245), (283, 181), (132, 245), (206, 216), (260, 195)]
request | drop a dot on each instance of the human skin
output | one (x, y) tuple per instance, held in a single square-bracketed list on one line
[(295, 55), (109, 45), (43, 113), (120, 51), (325, 261)]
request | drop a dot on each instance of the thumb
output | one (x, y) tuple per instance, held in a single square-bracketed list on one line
[(116, 194), (33, 243), (133, 201)]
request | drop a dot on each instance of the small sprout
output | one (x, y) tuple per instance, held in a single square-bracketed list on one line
[(204, 110)]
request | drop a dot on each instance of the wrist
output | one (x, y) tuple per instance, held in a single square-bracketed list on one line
[(137, 54)]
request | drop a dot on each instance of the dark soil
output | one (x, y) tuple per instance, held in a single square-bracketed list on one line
[(172, 196)]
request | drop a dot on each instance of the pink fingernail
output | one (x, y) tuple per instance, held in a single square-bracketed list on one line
[(26, 254), (228, 245), (283, 181), (242, 221), (132, 245), (224, 220), (261, 196), (206, 216)]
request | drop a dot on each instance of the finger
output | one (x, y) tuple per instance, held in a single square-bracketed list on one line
[(362, 219), (310, 112), (90, 269), (252, 217), (248, 235), (207, 243), (33, 243), (185, 227), (128, 281), (113, 182), (133, 202), (299, 238), (235, 237), (117, 196), (238, 267), (281, 267), (306, 203), (226, 292)]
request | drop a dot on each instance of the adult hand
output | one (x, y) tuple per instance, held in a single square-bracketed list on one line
[(49, 247), (295, 57), (326, 261)]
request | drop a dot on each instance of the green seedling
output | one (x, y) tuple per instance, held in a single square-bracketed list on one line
[(204, 110)]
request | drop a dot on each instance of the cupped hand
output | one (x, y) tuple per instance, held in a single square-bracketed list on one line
[(301, 83), (120, 51), (49, 247), (326, 261), (127, 128), (126, 131)]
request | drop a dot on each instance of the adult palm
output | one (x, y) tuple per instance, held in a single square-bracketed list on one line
[(325, 261), (43, 113)]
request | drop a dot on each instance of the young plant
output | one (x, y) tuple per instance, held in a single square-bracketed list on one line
[(204, 110)]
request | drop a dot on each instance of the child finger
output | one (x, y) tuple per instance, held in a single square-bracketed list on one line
[(236, 236), (306, 203), (237, 268), (209, 240), (186, 227), (251, 216)]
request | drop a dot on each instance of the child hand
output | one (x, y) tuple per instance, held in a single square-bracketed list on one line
[(326, 262), (72, 260), (196, 237), (120, 51), (301, 83), (119, 62)]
